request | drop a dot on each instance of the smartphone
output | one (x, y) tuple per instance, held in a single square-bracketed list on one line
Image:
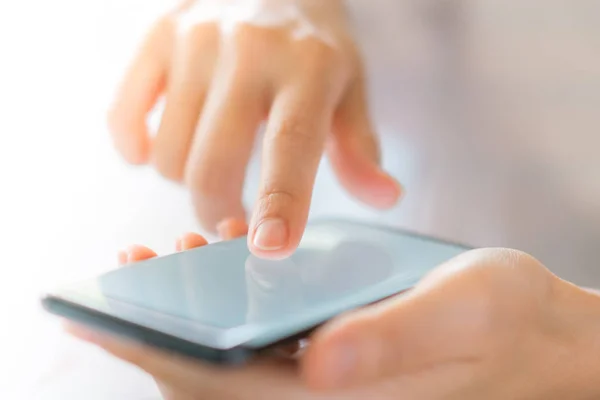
[(220, 304)]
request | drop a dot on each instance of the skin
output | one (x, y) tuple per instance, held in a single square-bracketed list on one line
[(219, 87), (491, 323)]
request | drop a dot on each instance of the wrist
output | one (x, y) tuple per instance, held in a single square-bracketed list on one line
[(579, 318)]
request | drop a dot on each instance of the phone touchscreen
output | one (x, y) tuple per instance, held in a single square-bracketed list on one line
[(221, 296)]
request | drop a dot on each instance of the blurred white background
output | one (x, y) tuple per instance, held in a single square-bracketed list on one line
[(68, 203)]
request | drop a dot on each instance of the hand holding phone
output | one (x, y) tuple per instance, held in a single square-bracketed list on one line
[(446, 328)]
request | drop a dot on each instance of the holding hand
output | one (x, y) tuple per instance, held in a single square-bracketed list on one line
[(225, 66), (491, 324)]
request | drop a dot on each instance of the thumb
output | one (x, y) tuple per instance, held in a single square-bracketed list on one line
[(357, 348), (395, 338)]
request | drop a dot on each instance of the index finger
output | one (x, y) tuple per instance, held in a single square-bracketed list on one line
[(300, 118)]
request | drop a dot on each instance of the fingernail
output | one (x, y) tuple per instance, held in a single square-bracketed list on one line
[(341, 364), (271, 234)]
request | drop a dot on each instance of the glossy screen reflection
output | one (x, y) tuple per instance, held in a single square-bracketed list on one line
[(338, 266)]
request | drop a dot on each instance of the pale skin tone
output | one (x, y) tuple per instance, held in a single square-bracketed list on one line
[(492, 323), (309, 90)]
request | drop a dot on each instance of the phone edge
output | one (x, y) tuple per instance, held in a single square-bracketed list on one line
[(143, 335)]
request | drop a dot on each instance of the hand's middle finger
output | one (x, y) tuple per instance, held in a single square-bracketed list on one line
[(189, 78), (299, 121), (223, 145)]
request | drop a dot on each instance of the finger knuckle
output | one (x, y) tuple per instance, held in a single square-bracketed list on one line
[(507, 276), (506, 261), (244, 33), (295, 127), (249, 35), (162, 29), (297, 134), (322, 58), (274, 200), (249, 44), (200, 35)]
